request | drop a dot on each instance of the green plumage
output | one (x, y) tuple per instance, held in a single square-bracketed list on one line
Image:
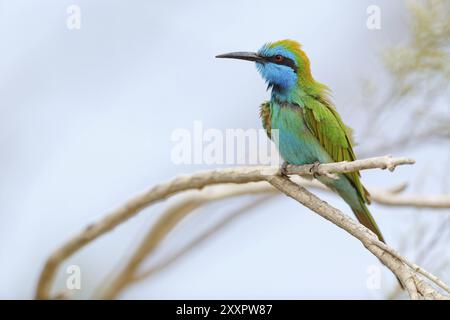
[(322, 135)]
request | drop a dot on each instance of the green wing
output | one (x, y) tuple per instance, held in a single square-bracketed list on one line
[(336, 138), (264, 113)]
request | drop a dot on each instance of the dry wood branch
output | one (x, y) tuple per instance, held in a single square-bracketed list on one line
[(416, 201), (328, 169), (198, 240), (168, 220), (397, 264), (192, 201), (239, 176)]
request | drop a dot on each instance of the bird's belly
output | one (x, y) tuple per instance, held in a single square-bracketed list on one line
[(295, 142)]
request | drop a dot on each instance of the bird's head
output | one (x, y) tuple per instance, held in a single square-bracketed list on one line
[(283, 64)]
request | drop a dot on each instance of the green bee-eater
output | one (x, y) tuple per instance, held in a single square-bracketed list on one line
[(309, 128)]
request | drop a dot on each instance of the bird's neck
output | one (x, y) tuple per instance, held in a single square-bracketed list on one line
[(290, 95), (298, 92), (280, 93)]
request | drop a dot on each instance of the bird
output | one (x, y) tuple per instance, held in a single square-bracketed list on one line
[(309, 128)]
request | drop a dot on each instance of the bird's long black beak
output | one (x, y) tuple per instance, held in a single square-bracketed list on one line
[(249, 56)]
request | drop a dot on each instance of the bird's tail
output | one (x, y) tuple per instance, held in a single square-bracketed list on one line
[(364, 216), (357, 201)]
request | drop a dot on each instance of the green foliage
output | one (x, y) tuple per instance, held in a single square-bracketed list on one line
[(424, 61)]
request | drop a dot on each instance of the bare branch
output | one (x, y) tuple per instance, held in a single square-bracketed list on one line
[(195, 199), (168, 220), (328, 169), (390, 258), (416, 201), (245, 175), (198, 240)]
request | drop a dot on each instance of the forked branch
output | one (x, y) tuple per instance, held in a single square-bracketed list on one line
[(407, 272)]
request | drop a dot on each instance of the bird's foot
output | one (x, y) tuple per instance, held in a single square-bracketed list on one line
[(283, 170), (315, 169)]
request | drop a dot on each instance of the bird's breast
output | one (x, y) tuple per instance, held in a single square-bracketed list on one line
[(290, 133)]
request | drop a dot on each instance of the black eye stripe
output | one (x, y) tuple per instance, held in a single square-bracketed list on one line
[(286, 62)]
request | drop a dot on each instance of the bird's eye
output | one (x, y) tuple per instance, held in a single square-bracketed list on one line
[(279, 58)]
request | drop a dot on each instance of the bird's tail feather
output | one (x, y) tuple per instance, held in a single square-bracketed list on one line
[(365, 217)]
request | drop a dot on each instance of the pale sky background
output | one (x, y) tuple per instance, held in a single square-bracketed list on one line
[(85, 123)]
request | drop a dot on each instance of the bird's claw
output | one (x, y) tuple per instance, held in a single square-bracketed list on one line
[(315, 169), (283, 170)]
